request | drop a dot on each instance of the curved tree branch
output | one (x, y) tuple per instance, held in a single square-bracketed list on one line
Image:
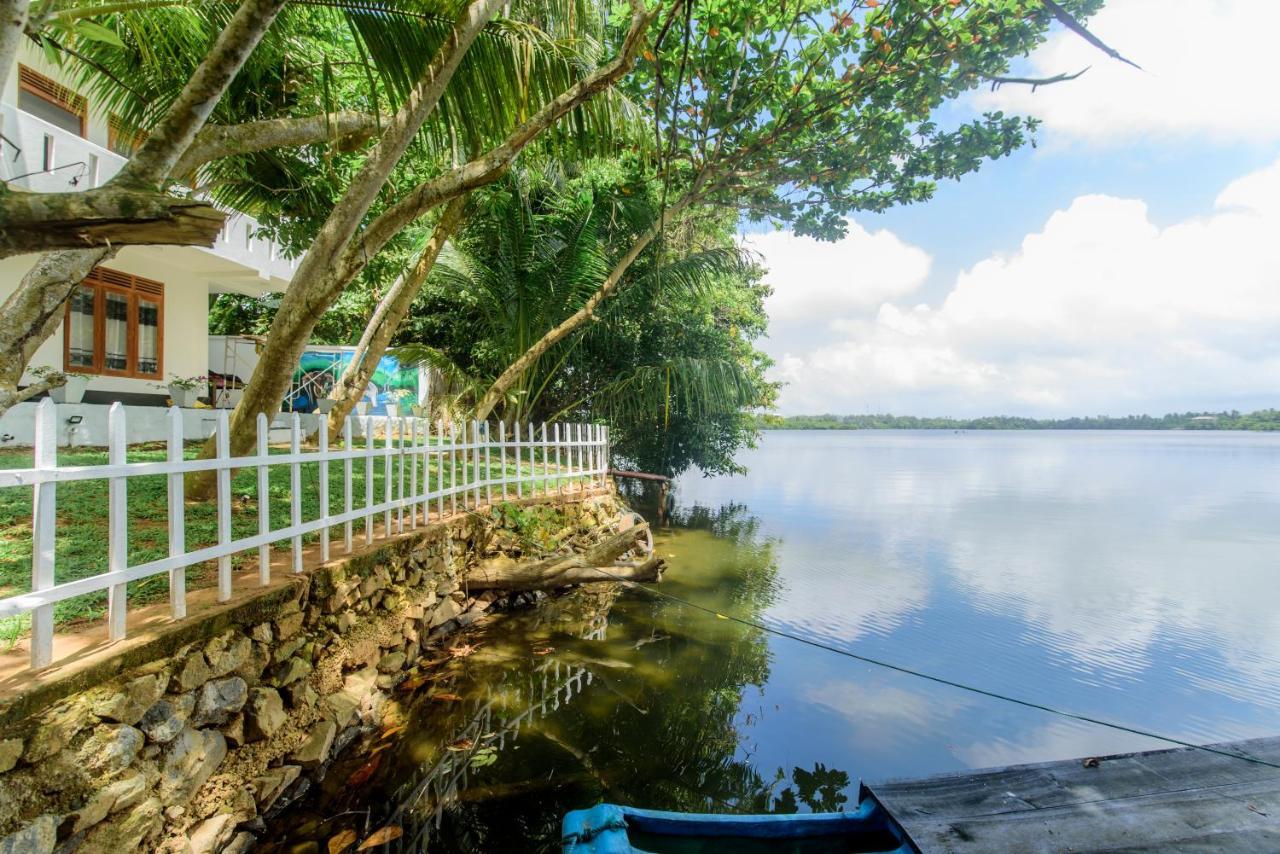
[(1064, 17), (217, 141)]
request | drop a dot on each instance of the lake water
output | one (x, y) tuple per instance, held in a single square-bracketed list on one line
[(1121, 575)]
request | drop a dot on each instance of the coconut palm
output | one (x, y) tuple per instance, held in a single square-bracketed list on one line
[(531, 253)]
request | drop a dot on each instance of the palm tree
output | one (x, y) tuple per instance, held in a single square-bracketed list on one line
[(530, 255)]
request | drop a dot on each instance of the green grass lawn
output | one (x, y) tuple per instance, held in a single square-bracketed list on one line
[(81, 542)]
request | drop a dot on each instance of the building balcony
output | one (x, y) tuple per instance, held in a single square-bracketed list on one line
[(42, 157)]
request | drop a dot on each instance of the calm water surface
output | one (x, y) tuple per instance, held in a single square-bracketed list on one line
[(1127, 576)]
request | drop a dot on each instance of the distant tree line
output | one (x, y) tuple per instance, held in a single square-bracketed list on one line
[(1263, 419)]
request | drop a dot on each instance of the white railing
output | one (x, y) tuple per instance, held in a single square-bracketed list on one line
[(36, 155), (529, 462)]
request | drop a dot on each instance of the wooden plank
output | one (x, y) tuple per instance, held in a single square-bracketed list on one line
[(1157, 800)]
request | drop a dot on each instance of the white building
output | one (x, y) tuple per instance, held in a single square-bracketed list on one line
[(143, 316)]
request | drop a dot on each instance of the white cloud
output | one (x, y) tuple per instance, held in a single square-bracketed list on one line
[(1101, 310), (1203, 62), (816, 284)]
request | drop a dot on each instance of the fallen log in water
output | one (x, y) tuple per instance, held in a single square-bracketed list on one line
[(596, 563)]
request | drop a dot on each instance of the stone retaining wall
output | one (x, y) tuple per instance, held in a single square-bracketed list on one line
[(219, 725)]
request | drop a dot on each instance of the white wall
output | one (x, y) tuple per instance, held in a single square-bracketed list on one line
[(246, 263), (186, 317)]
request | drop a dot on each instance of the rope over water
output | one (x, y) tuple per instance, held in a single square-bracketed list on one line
[(940, 680)]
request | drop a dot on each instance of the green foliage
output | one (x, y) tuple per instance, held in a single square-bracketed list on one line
[(1263, 419), (537, 526), (669, 364), (804, 112)]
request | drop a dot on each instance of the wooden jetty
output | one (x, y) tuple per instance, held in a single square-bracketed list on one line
[(1166, 800)]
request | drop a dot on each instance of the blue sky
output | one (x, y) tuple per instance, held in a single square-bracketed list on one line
[(1120, 266)]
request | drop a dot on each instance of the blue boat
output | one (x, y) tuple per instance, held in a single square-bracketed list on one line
[(613, 829)]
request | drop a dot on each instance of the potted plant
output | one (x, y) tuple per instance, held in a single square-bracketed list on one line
[(69, 390), (325, 405), (229, 398), (362, 407), (398, 397), (183, 391), (418, 410)]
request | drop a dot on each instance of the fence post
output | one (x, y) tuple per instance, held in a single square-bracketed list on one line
[(223, 444), (400, 425), (556, 442), (439, 470), (597, 435), (295, 488), (475, 461), (388, 447), (118, 520), (502, 455), (348, 445), (415, 499), (322, 448), (576, 457), (519, 466), (453, 469), (488, 469), (546, 462), (44, 527), (177, 519), (368, 479), (264, 500)]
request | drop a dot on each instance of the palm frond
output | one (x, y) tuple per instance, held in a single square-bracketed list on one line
[(653, 394)]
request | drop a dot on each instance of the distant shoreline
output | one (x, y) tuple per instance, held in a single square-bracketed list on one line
[(1262, 420)]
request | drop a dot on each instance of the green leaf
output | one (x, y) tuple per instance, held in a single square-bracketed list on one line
[(50, 52), (98, 33)]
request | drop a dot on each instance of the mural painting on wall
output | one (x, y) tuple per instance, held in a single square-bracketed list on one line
[(318, 372)]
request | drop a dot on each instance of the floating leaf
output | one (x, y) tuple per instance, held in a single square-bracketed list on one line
[(362, 775), (446, 698), (484, 756), (382, 836), (341, 841), (413, 683), (462, 650)]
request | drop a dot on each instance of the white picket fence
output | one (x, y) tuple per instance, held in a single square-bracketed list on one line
[(529, 461)]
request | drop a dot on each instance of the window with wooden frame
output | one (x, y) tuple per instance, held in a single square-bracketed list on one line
[(121, 138), (48, 99), (115, 326)]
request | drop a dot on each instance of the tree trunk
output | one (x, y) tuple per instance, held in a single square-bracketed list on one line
[(315, 284), (217, 141), (387, 317), (324, 273), (130, 208), (594, 564), (13, 22), (31, 314), (493, 164), (34, 311), (172, 136), (516, 369), (107, 216)]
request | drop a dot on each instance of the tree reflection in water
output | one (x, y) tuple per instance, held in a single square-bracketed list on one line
[(637, 702)]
